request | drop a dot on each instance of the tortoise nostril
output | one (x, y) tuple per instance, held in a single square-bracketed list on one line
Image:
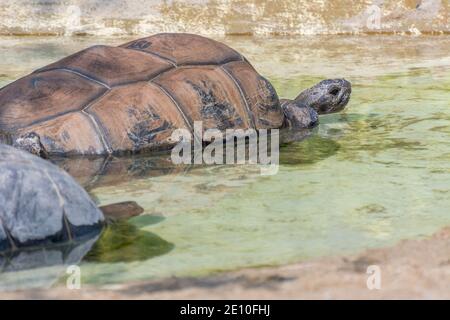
[(334, 91)]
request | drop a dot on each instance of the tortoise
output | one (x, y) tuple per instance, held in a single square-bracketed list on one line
[(131, 98), (42, 205)]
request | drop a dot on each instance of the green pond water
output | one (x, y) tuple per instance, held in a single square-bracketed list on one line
[(370, 176)]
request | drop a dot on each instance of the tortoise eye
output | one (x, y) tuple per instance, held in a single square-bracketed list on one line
[(334, 91)]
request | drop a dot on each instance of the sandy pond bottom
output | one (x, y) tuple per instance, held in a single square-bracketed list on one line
[(377, 173)]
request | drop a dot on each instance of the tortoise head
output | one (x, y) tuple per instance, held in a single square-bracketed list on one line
[(328, 96)]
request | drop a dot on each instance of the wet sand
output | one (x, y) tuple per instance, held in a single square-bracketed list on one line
[(412, 269)]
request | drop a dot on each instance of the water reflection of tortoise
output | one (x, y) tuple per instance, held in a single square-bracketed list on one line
[(94, 172), (48, 220)]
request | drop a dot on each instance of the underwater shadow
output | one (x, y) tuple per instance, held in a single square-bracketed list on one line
[(125, 242), (309, 151), (94, 172), (302, 147)]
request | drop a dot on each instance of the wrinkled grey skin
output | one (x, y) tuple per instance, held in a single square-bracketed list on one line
[(41, 204)]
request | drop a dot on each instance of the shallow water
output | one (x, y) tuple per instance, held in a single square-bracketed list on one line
[(372, 175)]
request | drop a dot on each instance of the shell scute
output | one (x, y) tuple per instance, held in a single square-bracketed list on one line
[(144, 118), (185, 49), (112, 65), (261, 97), (72, 133), (30, 210), (206, 94), (38, 97)]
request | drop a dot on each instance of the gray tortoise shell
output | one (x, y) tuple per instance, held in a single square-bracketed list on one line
[(40, 203)]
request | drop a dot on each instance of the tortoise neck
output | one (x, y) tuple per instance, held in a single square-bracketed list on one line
[(286, 123)]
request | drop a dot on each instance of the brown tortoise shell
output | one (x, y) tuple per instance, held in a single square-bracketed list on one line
[(131, 98)]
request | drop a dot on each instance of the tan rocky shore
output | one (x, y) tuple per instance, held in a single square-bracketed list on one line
[(412, 269), (223, 17)]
